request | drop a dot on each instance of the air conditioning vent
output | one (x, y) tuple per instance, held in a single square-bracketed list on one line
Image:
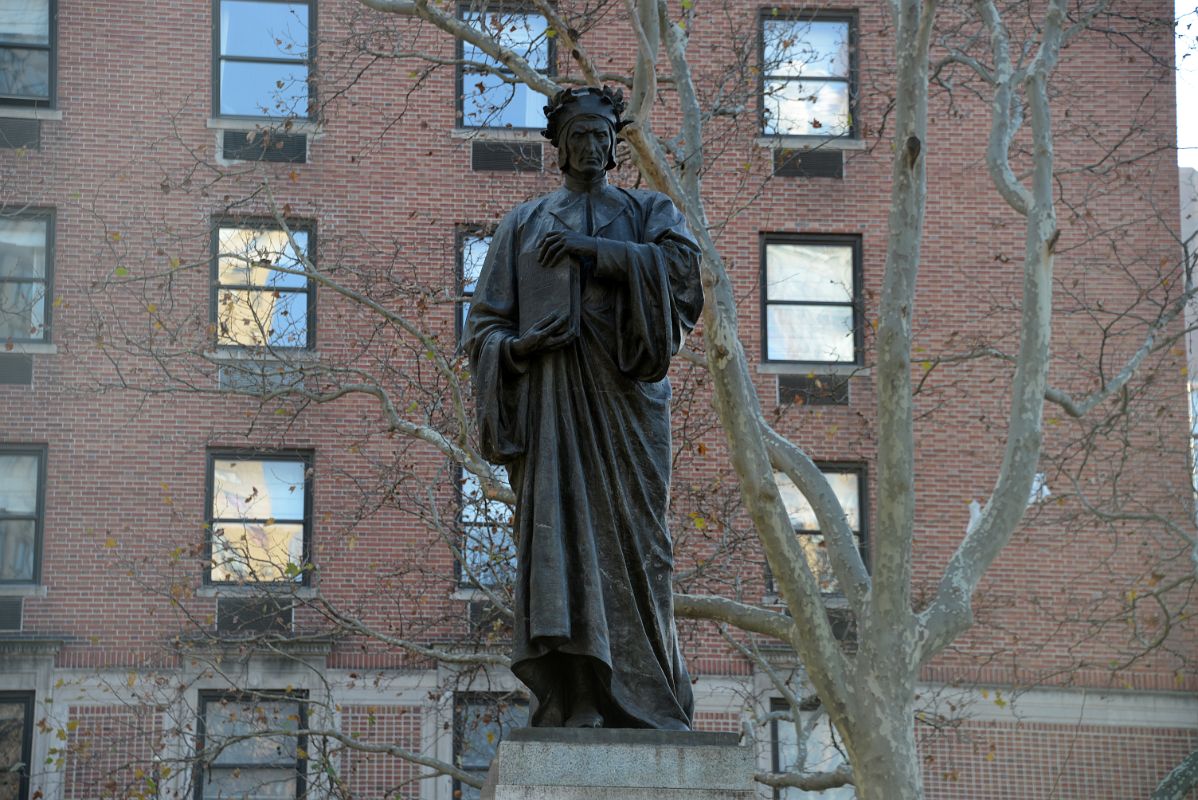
[(10, 613), (16, 369), (506, 157), (813, 390), (809, 163), (16, 133), (288, 148), (253, 615)]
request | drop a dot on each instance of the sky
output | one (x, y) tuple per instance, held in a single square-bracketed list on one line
[(1187, 83)]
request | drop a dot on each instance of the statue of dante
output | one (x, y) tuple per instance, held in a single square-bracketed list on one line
[(584, 297)]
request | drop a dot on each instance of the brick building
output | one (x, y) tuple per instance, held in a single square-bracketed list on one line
[(188, 538)]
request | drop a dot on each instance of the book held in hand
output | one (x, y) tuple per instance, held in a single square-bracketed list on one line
[(545, 292)]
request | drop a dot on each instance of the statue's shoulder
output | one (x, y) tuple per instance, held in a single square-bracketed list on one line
[(518, 216), (646, 198)]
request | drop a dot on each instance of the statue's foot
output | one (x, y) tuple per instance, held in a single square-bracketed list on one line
[(585, 718)]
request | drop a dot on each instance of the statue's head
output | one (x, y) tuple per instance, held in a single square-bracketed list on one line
[(570, 106)]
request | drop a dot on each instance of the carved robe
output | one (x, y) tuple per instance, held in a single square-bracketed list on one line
[(585, 433)]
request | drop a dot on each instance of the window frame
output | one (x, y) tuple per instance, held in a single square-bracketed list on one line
[(460, 71), (50, 216), (461, 234), (234, 454), (51, 101), (853, 241), (308, 61), (215, 286), (463, 700), (206, 697), (42, 453), (778, 704), (27, 699), (848, 16), (859, 468)]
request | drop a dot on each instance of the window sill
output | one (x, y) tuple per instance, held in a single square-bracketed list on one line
[(23, 112), (287, 124), (23, 590), (499, 134), (246, 590), (810, 143), (234, 355), (31, 349), (473, 594), (774, 368)]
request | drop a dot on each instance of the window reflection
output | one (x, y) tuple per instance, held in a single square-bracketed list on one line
[(258, 520)]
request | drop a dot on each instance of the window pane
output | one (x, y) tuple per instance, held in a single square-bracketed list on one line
[(12, 742), (250, 784), (794, 108), (261, 318), (18, 542), (489, 102), (487, 547), (18, 484), (257, 552), (245, 718), (809, 333), (258, 489), (482, 725), (522, 33), (254, 90), (25, 21), (806, 47), (24, 73), (474, 253), (246, 256), (22, 310), (845, 485), (22, 243), (263, 30), (809, 272), (824, 754)]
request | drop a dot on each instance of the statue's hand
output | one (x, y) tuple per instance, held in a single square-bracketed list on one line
[(548, 334), (557, 245)]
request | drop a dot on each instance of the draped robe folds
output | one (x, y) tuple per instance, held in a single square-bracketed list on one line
[(585, 433)]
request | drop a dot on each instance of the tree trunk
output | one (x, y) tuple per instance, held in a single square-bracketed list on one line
[(884, 757)]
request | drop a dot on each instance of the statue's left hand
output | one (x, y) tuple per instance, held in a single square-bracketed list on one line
[(557, 245)]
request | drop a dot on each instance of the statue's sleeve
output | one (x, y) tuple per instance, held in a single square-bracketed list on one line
[(661, 297), (499, 387)]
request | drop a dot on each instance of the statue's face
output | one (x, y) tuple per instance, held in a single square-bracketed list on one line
[(587, 144)]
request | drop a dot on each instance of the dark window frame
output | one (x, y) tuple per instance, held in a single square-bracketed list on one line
[(240, 454), (52, 79), (462, 700), (309, 60), (825, 15), (460, 235), (861, 469), (819, 239), (460, 71), (27, 699), (50, 216), (215, 286), (42, 453), (207, 697)]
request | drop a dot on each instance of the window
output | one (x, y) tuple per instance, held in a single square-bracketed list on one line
[(848, 483), (807, 75), (260, 296), (824, 753), (480, 721), (472, 252), (22, 508), (16, 744), (488, 550), (486, 99), (259, 512), (249, 745), (261, 58), (26, 245), (27, 52), (810, 294)]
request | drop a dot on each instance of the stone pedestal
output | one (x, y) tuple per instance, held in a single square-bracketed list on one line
[(580, 764)]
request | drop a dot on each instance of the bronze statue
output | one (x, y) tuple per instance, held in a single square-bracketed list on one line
[(585, 295)]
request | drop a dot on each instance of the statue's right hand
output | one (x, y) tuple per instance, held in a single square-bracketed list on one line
[(548, 334)]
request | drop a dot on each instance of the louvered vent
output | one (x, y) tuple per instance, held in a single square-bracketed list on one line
[(16, 133), (15, 369), (813, 390), (253, 615), (289, 148), (10, 613), (809, 163), (506, 157)]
